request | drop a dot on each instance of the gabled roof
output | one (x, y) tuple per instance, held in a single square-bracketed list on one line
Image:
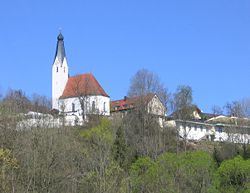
[(129, 103), (82, 85)]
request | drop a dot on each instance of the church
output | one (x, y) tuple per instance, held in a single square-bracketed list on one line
[(78, 96)]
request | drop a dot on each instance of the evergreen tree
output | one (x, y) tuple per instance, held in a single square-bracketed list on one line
[(120, 148)]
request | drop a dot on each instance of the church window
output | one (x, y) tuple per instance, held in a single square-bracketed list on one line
[(73, 107), (56, 69), (64, 69), (93, 106)]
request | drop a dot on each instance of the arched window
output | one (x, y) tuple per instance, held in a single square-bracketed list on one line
[(56, 69), (93, 106), (64, 69), (73, 107)]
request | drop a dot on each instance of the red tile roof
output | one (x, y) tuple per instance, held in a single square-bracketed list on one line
[(128, 103), (84, 84), (123, 104)]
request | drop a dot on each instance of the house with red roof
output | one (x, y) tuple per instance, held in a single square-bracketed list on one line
[(151, 102), (78, 95)]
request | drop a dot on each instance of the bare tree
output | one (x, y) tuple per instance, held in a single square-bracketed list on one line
[(1, 95), (40, 103), (234, 109), (16, 101), (182, 105), (80, 89), (183, 97), (240, 124), (145, 82), (49, 160), (246, 107), (142, 126), (216, 110), (63, 117), (11, 108), (85, 90)]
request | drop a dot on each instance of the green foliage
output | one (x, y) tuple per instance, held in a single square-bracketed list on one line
[(106, 159), (101, 132), (188, 172), (142, 173), (97, 144), (246, 151), (233, 175), (103, 174), (120, 148)]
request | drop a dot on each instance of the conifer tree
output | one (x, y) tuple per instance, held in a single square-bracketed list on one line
[(120, 147)]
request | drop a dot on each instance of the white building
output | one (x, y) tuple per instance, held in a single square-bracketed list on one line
[(75, 95), (216, 128)]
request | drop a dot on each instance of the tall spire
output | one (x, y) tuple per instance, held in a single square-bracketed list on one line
[(60, 72), (60, 50)]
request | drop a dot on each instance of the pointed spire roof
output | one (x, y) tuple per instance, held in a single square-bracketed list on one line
[(60, 50)]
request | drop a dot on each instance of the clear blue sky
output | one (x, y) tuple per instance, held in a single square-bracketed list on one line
[(205, 44)]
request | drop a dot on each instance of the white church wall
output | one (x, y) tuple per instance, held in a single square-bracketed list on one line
[(102, 105)]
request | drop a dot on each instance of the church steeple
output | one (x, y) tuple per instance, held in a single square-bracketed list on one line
[(60, 50), (60, 72)]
